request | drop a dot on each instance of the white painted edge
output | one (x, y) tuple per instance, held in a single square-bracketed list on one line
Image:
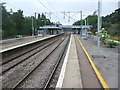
[(25, 44), (62, 73)]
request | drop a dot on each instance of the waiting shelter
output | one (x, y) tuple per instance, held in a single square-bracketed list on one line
[(49, 30)]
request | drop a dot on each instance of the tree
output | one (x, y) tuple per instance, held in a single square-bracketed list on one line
[(42, 20), (27, 26), (18, 19), (8, 26), (109, 22), (13, 23), (92, 19)]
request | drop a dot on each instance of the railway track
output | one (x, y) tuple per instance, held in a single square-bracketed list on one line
[(8, 56), (46, 86), (56, 44), (11, 63)]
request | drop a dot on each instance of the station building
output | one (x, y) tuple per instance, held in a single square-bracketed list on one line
[(52, 30), (49, 30)]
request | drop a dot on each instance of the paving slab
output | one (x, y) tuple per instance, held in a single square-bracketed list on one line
[(72, 78), (108, 67)]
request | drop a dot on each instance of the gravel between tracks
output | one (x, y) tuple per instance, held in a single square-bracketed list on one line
[(23, 57), (39, 77), (12, 77), (55, 77)]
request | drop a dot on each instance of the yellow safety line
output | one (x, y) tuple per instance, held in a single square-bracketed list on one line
[(104, 84)]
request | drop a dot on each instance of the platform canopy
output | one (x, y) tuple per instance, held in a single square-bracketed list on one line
[(75, 26), (65, 26), (50, 27)]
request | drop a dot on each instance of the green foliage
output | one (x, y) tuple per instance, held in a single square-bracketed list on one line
[(113, 17), (18, 18), (91, 20), (79, 22), (104, 35), (16, 24), (111, 44), (27, 26), (113, 30), (1, 33), (109, 22), (106, 25)]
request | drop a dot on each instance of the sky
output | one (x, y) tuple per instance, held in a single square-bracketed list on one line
[(57, 7)]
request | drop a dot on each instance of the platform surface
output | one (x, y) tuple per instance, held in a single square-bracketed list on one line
[(108, 67), (15, 43), (72, 77)]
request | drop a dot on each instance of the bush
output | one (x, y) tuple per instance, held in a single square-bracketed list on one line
[(111, 44), (103, 36)]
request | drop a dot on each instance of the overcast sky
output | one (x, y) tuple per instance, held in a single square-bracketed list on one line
[(29, 7)]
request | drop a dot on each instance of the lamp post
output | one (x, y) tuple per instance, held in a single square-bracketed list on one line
[(32, 27), (87, 20), (81, 21), (99, 22), (85, 30), (1, 4), (81, 18)]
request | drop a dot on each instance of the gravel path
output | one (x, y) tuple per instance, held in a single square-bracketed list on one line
[(108, 67)]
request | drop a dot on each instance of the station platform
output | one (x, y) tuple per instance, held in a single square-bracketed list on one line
[(70, 76), (78, 70), (15, 43)]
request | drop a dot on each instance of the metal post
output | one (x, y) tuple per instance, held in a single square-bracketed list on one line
[(81, 17), (99, 22), (35, 31), (81, 21), (88, 20), (68, 17), (32, 27), (85, 30), (45, 28)]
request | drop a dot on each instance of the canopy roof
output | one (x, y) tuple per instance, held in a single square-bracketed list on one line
[(66, 26)]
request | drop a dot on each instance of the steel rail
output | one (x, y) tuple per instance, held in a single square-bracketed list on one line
[(26, 58), (27, 51), (15, 86), (56, 65)]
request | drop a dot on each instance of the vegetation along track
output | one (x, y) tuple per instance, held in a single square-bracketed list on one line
[(18, 81)]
